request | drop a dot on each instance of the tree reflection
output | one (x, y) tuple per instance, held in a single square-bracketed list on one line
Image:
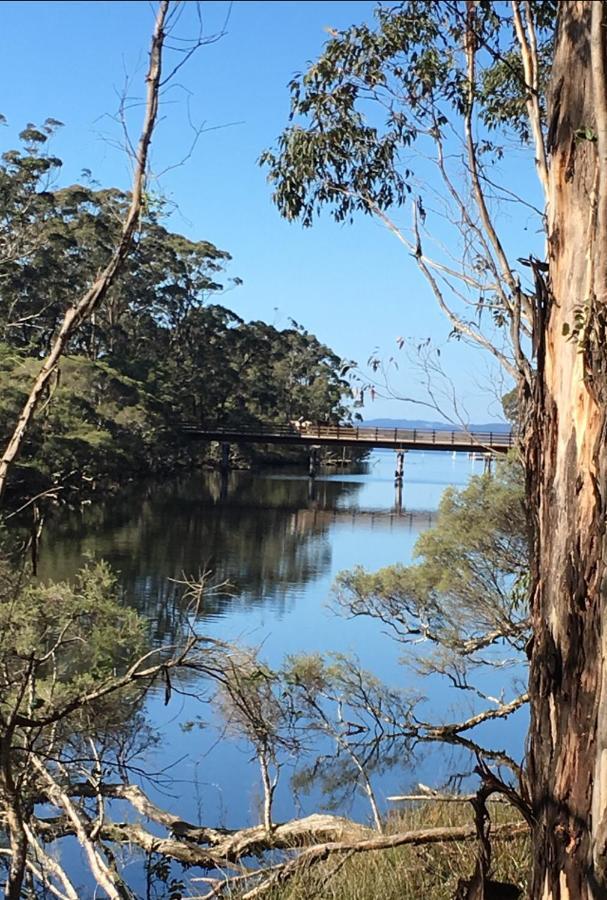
[(265, 536)]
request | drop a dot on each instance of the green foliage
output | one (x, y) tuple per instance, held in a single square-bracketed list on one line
[(478, 550), (97, 424), (468, 590), (77, 634), (363, 720), (375, 92), (156, 352), (510, 407)]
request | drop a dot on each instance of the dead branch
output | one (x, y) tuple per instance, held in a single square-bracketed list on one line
[(501, 712), (206, 847), (41, 876), (48, 866), (88, 303), (429, 795), (104, 875)]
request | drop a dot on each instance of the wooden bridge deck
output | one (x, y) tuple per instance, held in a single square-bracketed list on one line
[(354, 436)]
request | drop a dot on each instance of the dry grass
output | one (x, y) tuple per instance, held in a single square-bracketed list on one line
[(413, 873)]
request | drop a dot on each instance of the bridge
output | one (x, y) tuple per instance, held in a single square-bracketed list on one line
[(314, 434)]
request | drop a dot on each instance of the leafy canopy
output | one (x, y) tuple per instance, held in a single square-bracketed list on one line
[(376, 91)]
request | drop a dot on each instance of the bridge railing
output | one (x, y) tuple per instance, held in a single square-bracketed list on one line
[(362, 433)]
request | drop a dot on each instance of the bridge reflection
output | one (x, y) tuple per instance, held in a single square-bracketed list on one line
[(302, 520)]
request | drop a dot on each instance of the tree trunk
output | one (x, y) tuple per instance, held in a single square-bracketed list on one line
[(14, 823), (269, 787), (567, 480)]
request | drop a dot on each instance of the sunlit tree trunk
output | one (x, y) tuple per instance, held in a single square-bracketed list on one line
[(567, 467)]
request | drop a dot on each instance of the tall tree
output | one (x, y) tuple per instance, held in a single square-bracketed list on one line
[(458, 81), (567, 471), (87, 295), (83, 307)]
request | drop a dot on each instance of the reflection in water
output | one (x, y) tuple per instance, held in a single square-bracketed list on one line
[(266, 536), (280, 540)]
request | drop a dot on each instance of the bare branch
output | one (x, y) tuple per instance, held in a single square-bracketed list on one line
[(528, 44)]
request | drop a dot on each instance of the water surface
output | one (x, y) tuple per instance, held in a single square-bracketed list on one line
[(279, 539)]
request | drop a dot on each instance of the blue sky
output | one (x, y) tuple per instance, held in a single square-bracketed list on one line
[(353, 286)]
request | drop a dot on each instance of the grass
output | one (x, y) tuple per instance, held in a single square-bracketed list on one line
[(411, 873)]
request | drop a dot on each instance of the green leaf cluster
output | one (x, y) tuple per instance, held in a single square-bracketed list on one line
[(468, 587), (378, 90), (156, 353), (60, 642)]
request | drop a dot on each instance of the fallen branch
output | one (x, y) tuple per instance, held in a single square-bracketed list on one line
[(209, 849), (223, 849), (436, 798)]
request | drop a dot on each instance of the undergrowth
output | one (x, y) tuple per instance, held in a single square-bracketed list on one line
[(430, 872)]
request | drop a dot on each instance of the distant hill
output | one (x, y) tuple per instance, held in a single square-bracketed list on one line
[(423, 425)]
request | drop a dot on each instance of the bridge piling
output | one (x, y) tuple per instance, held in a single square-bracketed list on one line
[(400, 466), (313, 461), (399, 476), (398, 500), (225, 457)]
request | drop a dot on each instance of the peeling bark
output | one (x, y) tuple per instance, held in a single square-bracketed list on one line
[(567, 466)]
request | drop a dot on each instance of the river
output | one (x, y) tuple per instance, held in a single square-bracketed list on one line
[(280, 540)]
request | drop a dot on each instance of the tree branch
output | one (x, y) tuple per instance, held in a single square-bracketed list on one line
[(89, 302)]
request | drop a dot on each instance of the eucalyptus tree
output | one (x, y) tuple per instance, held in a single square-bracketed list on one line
[(69, 235), (87, 297), (83, 307), (424, 108)]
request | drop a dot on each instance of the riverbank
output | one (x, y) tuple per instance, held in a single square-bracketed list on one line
[(431, 871)]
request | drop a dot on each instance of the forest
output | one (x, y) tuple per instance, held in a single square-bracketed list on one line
[(160, 351)]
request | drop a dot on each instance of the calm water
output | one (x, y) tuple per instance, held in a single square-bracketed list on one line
[(280, 540)]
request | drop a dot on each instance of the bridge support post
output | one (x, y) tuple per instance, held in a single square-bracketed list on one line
[(225, 457), (223, 487), (313, 461), (488, 467), (398, 500), (400, 466), (399, 476)]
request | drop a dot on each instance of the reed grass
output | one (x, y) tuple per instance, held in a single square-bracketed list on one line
[(414, 873)]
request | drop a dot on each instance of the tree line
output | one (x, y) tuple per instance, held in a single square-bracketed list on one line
[(160, 350)]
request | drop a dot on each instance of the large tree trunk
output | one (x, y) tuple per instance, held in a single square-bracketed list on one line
[(567, 470)]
